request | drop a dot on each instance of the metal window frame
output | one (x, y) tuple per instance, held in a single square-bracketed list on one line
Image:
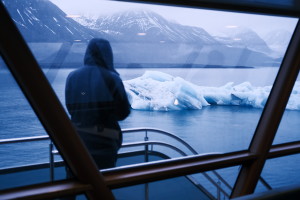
[(270, 119), (27, 73), (155, 171), (263, 7)]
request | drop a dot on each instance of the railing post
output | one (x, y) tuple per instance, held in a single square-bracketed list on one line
[(146, 160), (218, 189), (146, 147), (51, 161)]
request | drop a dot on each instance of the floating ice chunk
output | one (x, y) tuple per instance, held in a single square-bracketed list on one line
[(219, 95), (160, 91), (243, 94), (250, 95)]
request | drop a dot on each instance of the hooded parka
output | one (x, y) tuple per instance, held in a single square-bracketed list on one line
[(95, 97)]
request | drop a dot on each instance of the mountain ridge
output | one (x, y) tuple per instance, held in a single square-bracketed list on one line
[(136, 37), (145, 25)]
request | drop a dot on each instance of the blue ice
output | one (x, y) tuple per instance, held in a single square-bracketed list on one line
[(159, 91)]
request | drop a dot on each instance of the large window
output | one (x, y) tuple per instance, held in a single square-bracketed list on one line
[(202, 75)]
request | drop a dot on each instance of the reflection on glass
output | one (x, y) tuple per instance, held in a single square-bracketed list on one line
[(176, 188), (208, 185), (202, 75), (281, 172), (18, 120), (288, 130)]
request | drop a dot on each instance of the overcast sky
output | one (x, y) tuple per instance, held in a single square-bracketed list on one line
[(212, 21)]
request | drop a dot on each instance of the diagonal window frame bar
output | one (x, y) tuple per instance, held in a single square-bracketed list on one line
[(270, 119), (47, 107)]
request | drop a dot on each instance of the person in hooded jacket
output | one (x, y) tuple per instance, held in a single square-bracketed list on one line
[(96, 100)]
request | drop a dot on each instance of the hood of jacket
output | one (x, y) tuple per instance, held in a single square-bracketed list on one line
[(99, 53)]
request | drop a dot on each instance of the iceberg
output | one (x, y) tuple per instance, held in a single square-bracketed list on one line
[(159, 91)]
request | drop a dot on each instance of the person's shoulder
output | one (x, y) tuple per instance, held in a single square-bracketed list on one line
[(76, 72), (115, 76)]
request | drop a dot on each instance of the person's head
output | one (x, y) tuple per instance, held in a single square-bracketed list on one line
[(99, 53)]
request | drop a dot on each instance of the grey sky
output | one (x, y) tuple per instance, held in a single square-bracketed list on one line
[(212, 21)]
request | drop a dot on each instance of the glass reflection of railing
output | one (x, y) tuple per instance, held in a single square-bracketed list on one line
[(148, 143), (148, 147)]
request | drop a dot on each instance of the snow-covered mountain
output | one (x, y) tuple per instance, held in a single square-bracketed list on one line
[(147, 37), (243, 37), (137, 37), (41, 20), (147, 26), (278, 40)]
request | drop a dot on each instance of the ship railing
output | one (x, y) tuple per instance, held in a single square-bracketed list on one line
[(220, 180), (148, 148)]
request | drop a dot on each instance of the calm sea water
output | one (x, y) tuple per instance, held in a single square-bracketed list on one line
[(211, 129)]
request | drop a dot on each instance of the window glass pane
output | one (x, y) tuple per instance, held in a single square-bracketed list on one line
[(202, 75), (24, 162), (281, 172), (208, 185), (176, 188), (288, 130)]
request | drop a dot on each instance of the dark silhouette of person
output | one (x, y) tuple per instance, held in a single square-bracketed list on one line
[(96, 100)]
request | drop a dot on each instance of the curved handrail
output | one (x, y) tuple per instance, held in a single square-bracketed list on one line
[(155, 143), (145, 129), (131, 130), (183, 154), (193, 151)]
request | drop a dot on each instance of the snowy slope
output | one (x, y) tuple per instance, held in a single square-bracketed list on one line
[(149, 26), (43, 21), (278, 40), (243, 37)]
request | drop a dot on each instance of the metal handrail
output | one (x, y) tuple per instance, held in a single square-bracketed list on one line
[(147, 129), (24, 139), (155, 143), (183, 154), (193, 151), (139, 129), (145, 143)]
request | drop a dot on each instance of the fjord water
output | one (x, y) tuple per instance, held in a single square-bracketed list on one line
[(211, 129)]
